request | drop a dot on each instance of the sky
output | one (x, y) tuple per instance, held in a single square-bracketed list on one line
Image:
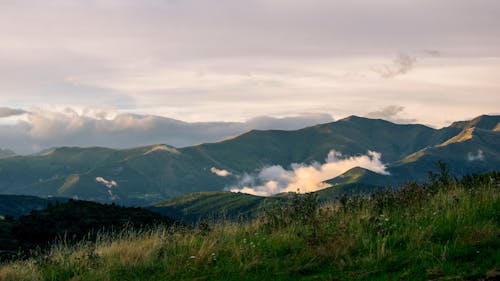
[(65, 64)]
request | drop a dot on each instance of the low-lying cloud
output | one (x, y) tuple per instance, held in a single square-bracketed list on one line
[(220, 172), (109, 184), (306, 178), (479, 156)]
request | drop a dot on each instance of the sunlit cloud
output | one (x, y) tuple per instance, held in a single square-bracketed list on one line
[(306, 177)]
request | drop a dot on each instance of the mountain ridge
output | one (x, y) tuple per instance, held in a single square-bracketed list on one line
[(146, 174)]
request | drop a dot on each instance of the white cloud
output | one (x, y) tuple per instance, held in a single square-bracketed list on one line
[(306, 178), (220, 172), (476, 157), (108, 184)]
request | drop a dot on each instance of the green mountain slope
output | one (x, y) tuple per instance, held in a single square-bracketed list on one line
[(214, 206), (485, 122), (472, 151)]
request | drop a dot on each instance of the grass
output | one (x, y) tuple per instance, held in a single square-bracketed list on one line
[(443, 232)]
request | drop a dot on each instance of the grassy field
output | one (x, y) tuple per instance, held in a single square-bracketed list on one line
[(447, 230)]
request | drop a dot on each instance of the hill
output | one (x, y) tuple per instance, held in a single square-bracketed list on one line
[(20, 205), (215, 206), (144, 175), (70, 222)]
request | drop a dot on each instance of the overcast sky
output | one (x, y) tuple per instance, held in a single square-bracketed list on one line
[(428, 61)]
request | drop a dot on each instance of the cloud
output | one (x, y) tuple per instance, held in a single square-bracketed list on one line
[(402, 64), (288, 123), (306, 178), (433, 53), (477, 157), (220, 173), (39, 129), (391, 113), (108, 184), (9, 112)]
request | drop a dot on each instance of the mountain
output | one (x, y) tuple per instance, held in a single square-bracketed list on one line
[(143, 175), (485, 122), (474, 150), (358, 175)]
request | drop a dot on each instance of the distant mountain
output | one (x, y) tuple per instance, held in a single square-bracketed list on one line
[(143, 175), (5, 153)]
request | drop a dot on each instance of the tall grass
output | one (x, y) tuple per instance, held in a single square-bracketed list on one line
[(445, 232)]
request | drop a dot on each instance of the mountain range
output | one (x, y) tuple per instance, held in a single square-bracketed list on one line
[(144, 175)]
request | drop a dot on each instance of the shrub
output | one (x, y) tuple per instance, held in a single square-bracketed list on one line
[(299, 209)]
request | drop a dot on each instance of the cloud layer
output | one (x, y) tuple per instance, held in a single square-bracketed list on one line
[(40, 129), (306, 178)]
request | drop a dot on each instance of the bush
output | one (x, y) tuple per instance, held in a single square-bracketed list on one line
[(299, 209)]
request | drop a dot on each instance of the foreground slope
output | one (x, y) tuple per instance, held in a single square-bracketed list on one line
[(443, 232)]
